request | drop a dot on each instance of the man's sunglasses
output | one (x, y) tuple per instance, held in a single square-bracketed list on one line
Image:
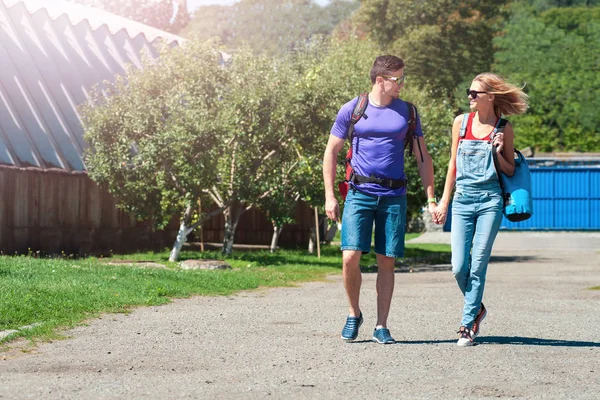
[(398, 81), (473, 93)]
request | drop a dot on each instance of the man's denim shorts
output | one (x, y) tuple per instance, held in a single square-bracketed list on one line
[(389, 214)]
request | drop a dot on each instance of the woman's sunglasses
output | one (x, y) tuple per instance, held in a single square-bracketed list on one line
[(473, 93)]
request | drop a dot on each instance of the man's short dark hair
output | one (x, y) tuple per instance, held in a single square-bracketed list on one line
[(385, 65)]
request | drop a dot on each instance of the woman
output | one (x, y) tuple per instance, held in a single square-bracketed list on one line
[(477, 203)]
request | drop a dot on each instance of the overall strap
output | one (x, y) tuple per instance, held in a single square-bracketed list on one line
[(463, 127)]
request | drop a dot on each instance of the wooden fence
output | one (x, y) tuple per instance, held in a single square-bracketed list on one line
[(53, 212), (254, 228)]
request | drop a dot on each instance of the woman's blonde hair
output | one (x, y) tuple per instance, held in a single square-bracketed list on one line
[(508, 98)]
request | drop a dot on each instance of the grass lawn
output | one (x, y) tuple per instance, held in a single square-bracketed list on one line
[(52, 294)]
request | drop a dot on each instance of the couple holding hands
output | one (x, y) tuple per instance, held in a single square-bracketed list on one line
[(378, 152)]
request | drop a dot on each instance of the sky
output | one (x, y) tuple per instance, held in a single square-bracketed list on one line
[(193, 4)]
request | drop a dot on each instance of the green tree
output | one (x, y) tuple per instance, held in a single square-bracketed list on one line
[(555, 54), (544, 5), (155, 142), (168, 15), (268, 26), (444, 42), (262, 139), (280, 205)]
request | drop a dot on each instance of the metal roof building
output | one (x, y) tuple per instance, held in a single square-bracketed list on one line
[(51, 54)]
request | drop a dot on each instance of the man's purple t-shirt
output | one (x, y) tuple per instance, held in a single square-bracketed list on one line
[(378, 145)]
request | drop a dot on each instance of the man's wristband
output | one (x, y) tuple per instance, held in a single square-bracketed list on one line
[(432, 200)]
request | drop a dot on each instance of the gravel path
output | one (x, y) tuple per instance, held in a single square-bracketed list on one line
[(541, 339)]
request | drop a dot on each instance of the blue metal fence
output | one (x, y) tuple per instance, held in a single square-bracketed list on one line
[(566, 196)]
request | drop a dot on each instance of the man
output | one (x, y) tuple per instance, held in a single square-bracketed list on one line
[(377, 193)]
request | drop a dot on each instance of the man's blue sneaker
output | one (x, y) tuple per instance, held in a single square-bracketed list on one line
[(382, 336), (350, 331)]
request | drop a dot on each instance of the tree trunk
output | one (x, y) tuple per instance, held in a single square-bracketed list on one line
[(312, 241), (276, 232), (232, 216), (184, 231), (227, 234)]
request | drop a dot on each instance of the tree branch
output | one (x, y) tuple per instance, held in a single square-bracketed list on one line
[(266, 157), (214, 194), (206, 217), (175, 181)]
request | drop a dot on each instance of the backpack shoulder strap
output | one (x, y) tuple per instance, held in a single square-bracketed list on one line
[(358, 113), (412, 126), (412, 122), (411, 135)]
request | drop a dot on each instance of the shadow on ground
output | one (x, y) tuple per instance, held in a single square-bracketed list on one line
[(409, 341), (508, 259), (527, 341), (506, 340), (404, 269)]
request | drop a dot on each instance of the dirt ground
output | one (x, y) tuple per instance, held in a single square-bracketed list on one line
[(541, 339)]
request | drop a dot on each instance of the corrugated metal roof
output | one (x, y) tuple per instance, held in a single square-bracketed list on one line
[(51, 54)]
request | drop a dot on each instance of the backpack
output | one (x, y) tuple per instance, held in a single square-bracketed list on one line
[(516, 189), (357, 114)]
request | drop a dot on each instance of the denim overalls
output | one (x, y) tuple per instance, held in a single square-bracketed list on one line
[(476, 219)]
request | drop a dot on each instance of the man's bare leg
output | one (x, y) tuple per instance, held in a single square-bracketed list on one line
[(352, 279), (385, 288)]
